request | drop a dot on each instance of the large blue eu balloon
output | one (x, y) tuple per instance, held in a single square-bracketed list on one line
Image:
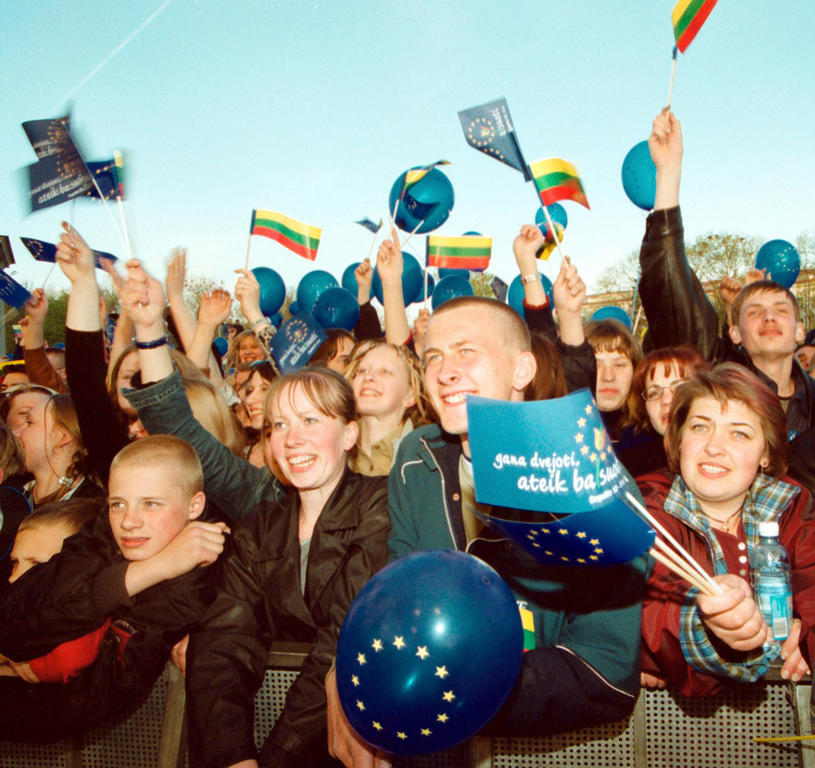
[(640, 176), (411, 279), (349, 279), (311, 286), (515, 295), (781, 260), (336, 308), (449, 288), (221, 344), (612, 313), (429, 651), (558, 215), (272, 290), (425, 205)]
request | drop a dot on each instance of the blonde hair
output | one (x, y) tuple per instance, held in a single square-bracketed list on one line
[(159, 451), (213, 414), (231, 356)]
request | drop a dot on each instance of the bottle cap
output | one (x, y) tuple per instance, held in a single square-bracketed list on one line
[(768, 529)]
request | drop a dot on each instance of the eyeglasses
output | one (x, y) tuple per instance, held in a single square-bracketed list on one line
[(654, 392)]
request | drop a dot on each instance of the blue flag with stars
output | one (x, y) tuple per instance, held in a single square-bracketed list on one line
[(14, 294), (371, 226), (488, 128), (296, 341), (47, 252), (557, 461)]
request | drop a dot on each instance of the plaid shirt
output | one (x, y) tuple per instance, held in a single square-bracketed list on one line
[(766, 500)]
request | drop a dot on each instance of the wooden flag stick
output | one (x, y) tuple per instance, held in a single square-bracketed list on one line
[(248, 245), (704, 575), (670, 562), (407, 239), (424, 303), (121, 209), (53, 266), (673, 75)]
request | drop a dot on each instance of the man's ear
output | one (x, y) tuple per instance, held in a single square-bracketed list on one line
[(197, 504), (800, 333), (735, 336), (525, 368)]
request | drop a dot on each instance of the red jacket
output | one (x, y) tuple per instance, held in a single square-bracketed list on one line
[(662, 654)]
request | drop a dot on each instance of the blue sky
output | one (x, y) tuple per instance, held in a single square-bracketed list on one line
[(314, 108)]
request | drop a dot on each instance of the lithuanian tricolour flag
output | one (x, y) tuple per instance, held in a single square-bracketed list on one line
[(688, 17), (296, 236), (557, 180), (465, 252)]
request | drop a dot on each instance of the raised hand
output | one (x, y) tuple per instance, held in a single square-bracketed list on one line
[(176, 272), (569, 290), (525, 246), (74, 256), (215, 308), (247, 292), (364, 274), (665, 142), (389, 262), (142, 298)]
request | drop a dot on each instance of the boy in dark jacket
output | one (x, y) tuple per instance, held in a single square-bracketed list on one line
[(136, 566)]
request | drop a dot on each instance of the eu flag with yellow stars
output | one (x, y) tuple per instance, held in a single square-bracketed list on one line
[(488, 128), (104, 174), (47, 252), (554, 482)]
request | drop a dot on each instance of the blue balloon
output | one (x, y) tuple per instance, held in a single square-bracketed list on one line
[(294, 308), (276, 319), (640, 176), (558, 215), (515, 295), (311, 286), (425, 205), (472, 233), (272, 290), (448, 288), (431, 284), (349, 279), (429, 651), (411, 279), (612, 313), (464, 274), (221, 344), (781, 260), (336, 308)]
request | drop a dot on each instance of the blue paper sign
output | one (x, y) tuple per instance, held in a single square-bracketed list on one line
[(14, 294), (296, 341), (554, 457)]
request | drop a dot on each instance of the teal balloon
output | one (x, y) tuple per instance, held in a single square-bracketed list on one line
[(221, 344), (425, 205), (431, 284), (311, 286), (515, 295), (294, 308), (464, 274), (272, 290), (558, 215), (276, 319), (640, 176), (460, 631), (336, 308), (411, 279), (613, 313), (472, 233), (349, 279), (781, 260), (449, 288)]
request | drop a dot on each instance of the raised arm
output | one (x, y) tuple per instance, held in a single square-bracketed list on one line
[(37, 365), (389, 265)]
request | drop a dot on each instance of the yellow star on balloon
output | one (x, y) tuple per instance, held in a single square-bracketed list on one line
[(584, 449), (422, 652), (588, 410), (360, 706), (401, 735), (581, 422), (355, 680), (361, 658), (594, 542), (377, 644), (441, 672), (581, 534), (443, 717), (448, 695), (399, 642), (426, 731), (578, 438), (377, 725)]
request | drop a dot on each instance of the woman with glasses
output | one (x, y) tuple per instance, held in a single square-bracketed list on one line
[(648, 405)]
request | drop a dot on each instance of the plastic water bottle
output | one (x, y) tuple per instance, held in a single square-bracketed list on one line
[(770, 572)]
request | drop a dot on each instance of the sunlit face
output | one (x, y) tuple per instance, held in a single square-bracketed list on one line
[(805, 355), (465, 355), (659, 409), (14, 378), (252, 394), (37, 544), (249, 350), (147, 509), (342, 356), (382, 384), (614, 373), (36, 431), (720, 452), (309, 447), (21, 407), (767, 325), (128, 368)]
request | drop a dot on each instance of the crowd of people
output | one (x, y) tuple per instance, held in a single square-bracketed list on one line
[(159, 502)]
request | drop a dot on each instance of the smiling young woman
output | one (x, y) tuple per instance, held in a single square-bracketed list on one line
[(726, 445)]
